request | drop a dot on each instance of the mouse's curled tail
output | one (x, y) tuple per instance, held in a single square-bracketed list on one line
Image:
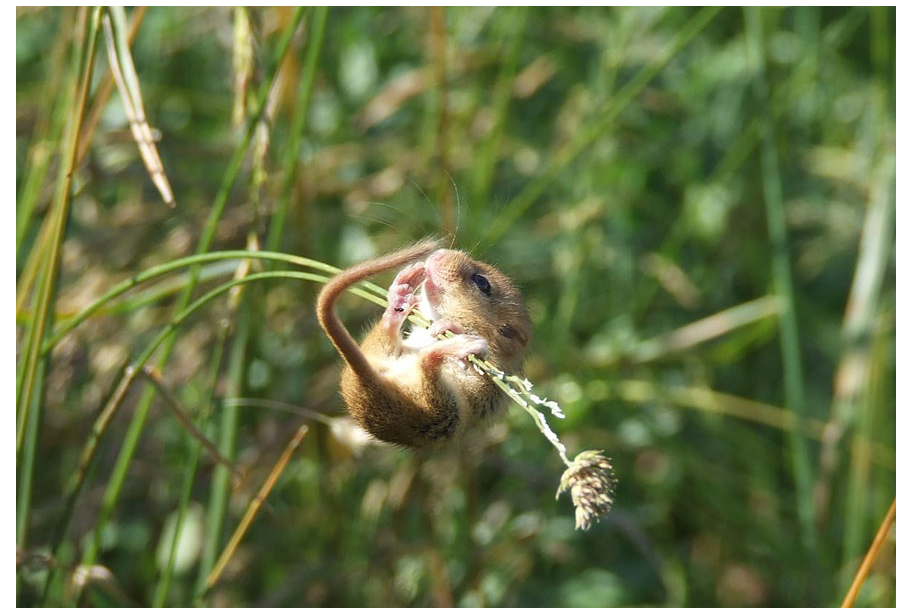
[(325, 303)]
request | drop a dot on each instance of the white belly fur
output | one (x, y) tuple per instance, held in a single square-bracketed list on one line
[(406, 371)]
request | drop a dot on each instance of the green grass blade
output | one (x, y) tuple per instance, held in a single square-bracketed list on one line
[(229, 422), (793, 384), (487, 158), (48, 128), (129, 445), (122, 69), (104, 418), (191, 466), (24, 474), (192, 260), (43, 304), (601, 126), (304, 92)]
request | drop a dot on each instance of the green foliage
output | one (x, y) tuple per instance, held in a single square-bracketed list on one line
[(697, 204)]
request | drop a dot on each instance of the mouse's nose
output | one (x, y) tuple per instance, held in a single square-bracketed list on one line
[(438, 255)]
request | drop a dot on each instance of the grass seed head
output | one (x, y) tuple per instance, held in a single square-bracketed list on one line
[(592, 482)]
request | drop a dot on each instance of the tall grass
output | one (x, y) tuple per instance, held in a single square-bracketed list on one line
[(697, 204), (793, 382)]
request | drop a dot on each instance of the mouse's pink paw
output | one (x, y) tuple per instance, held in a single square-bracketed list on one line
[(444, 325), (401, 299), (465, 345), (411, 275), (457, 348)]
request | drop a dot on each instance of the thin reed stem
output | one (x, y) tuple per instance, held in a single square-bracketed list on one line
[(253, 508), (106, 86), (227, 435), (48, 127), (192, 260), (487, 158), (793, 382), (870, 558), (154, 376), (60, 213), (27, 465), (122, 69), (304, 92), (28, 386), (191, 466)]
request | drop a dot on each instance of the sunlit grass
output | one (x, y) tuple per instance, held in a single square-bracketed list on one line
[(696, 203)]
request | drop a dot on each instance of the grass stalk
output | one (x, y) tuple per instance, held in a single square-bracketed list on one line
[(48, 126), (154, 376), (705, 399), (60, 213), (304, 92), (122, 69), (129, 445), (708, 328), (106, 86), (167, 267), (191, 467), (154, 294), (33, 263), (870, 558), (859, 318), (27, 465), (859, 498), (253, 508), (487, 158), (438, 122), (132, 436), (597, 127), (229, 424), (781, 267)]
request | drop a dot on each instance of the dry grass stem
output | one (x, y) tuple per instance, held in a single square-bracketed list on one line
[(105, 88), (254, 508), (153, 375), (870, 558), (709, 328), (129, 87)]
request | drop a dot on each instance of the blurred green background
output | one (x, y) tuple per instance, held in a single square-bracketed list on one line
[(697, 204)]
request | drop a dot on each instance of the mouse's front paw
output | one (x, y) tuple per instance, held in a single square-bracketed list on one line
[(456, 349), (442, 326), (411, 276), (401, 299), (464, 345)]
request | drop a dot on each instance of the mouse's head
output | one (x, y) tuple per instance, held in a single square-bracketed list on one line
[(480, 299)]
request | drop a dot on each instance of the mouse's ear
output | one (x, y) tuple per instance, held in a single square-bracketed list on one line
[(510, 332)]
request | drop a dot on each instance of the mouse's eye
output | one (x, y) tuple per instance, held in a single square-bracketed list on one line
[(482, 283)]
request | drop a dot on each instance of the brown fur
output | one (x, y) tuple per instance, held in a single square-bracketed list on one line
[(422, 393)]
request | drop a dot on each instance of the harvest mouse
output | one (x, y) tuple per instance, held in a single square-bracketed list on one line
[(421, 391)]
